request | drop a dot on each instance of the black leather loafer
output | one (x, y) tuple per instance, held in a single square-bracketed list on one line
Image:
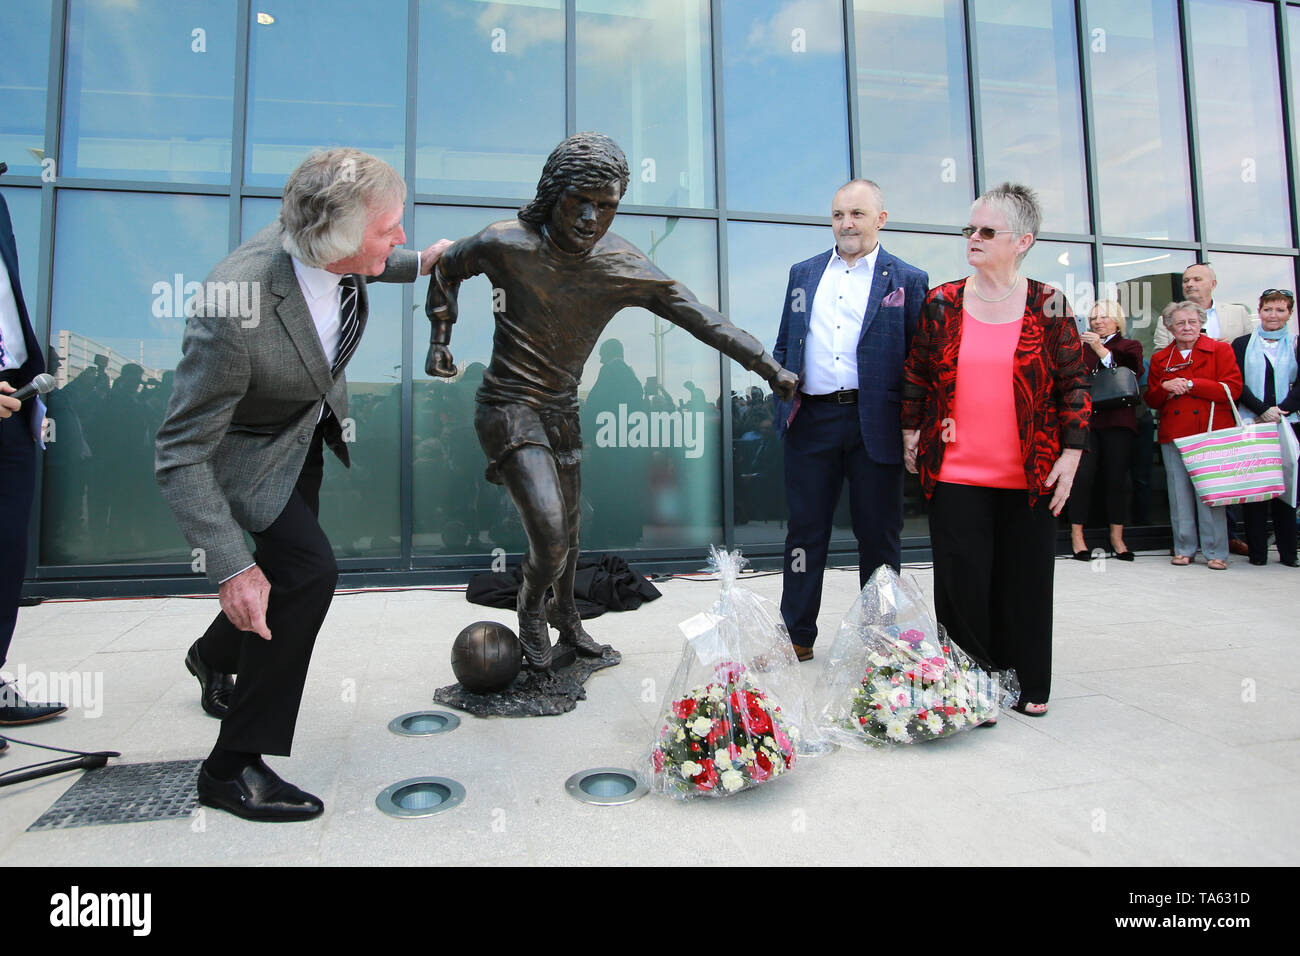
[(258, 794), (15, 710), (215, 687)]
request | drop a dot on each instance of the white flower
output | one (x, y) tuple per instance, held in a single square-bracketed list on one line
[(896, 729), (691, 769), (722, 758), (732, 780), (681, 734), (747, 753), (700, 726), (717, 691), (770, 743), (935, 723)]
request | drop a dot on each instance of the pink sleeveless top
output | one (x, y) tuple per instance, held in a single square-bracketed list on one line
[(982, 442)]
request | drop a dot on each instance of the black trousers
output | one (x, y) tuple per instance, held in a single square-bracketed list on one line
[(1109, 453), (1257, 514), (17, 481), (298, 561), (823, 447), (994, 567)]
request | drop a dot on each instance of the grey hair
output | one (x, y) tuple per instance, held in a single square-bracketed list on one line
[(1173, 308), (871, 184), (328, 200), (1019, 204)]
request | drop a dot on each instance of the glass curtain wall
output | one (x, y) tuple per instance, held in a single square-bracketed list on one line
[(145, 140)]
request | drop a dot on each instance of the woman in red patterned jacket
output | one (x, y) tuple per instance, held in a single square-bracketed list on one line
[(995, 418)]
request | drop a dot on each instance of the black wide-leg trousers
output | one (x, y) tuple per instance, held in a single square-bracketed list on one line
[(298, 561), (994, 566)]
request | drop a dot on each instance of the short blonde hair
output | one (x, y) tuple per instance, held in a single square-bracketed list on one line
[(1112, 309)]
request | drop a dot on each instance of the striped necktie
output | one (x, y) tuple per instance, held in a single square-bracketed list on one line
[(349, 327)]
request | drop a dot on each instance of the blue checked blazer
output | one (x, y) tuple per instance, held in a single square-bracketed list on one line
[(887, 332)]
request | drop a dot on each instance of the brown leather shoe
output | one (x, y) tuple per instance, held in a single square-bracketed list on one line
[(1237, 546), (801, 652)]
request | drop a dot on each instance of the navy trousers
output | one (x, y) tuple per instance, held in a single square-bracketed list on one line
[(823, 446), (17, 483)]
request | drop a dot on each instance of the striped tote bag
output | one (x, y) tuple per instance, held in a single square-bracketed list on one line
[(1233, 465)]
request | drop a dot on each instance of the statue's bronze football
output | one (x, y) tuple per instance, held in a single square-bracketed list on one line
[(486, 657)]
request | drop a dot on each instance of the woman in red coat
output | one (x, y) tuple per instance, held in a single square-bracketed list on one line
[(996, 441), (1186, 381)]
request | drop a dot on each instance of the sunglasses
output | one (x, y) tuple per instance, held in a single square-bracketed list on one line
[(1285, 293), (984, 232)]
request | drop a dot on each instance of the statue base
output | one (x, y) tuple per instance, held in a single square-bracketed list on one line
[(533, 693)]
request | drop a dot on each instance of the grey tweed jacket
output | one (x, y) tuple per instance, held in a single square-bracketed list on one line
[(247, 397)]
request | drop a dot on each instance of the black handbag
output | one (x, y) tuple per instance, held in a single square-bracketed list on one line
[(1113, 388)]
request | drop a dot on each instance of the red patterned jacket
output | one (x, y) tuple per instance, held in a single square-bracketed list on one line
[(1052, 400)]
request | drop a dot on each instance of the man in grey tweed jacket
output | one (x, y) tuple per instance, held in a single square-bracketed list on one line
[(259, 391)]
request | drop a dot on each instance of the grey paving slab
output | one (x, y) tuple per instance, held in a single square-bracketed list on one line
[(1171, 740)]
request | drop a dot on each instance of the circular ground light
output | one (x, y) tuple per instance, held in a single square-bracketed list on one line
[(605, 786), (420, 797), (424, 723)]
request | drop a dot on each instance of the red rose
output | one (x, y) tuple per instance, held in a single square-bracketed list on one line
[(684, 708), (707, 778), (720, 729)]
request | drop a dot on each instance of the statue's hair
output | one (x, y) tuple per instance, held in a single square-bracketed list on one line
[(328, 200), (586, 160)]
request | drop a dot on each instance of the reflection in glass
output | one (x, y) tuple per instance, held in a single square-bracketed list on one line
[(149, 90), (1241, 278), (511, 55), (1029, 97), (634, 494), (24, 72), (658, 59), (359, 507), (1239, 118), (325, 73), (1137, 87), (25, 214), (117, 327), (760, 257), (1068, 266), (1144, 281), (914, 106), (454, 509), (784, 63)]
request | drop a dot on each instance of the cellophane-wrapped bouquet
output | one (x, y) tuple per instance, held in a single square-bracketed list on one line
[(893, 677), (735, 706)]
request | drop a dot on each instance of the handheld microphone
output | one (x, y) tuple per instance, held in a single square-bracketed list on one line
[(38, 386)]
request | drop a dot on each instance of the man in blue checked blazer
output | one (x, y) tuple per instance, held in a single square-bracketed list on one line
[(847, 325)]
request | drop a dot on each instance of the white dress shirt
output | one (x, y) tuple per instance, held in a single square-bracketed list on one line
[(11, 326), (1212, 322), (831, 354), (321, 290)]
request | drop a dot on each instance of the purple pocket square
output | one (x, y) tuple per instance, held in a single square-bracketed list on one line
[(894, 298)]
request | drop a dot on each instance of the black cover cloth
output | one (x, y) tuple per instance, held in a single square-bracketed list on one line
[(603, 583)]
